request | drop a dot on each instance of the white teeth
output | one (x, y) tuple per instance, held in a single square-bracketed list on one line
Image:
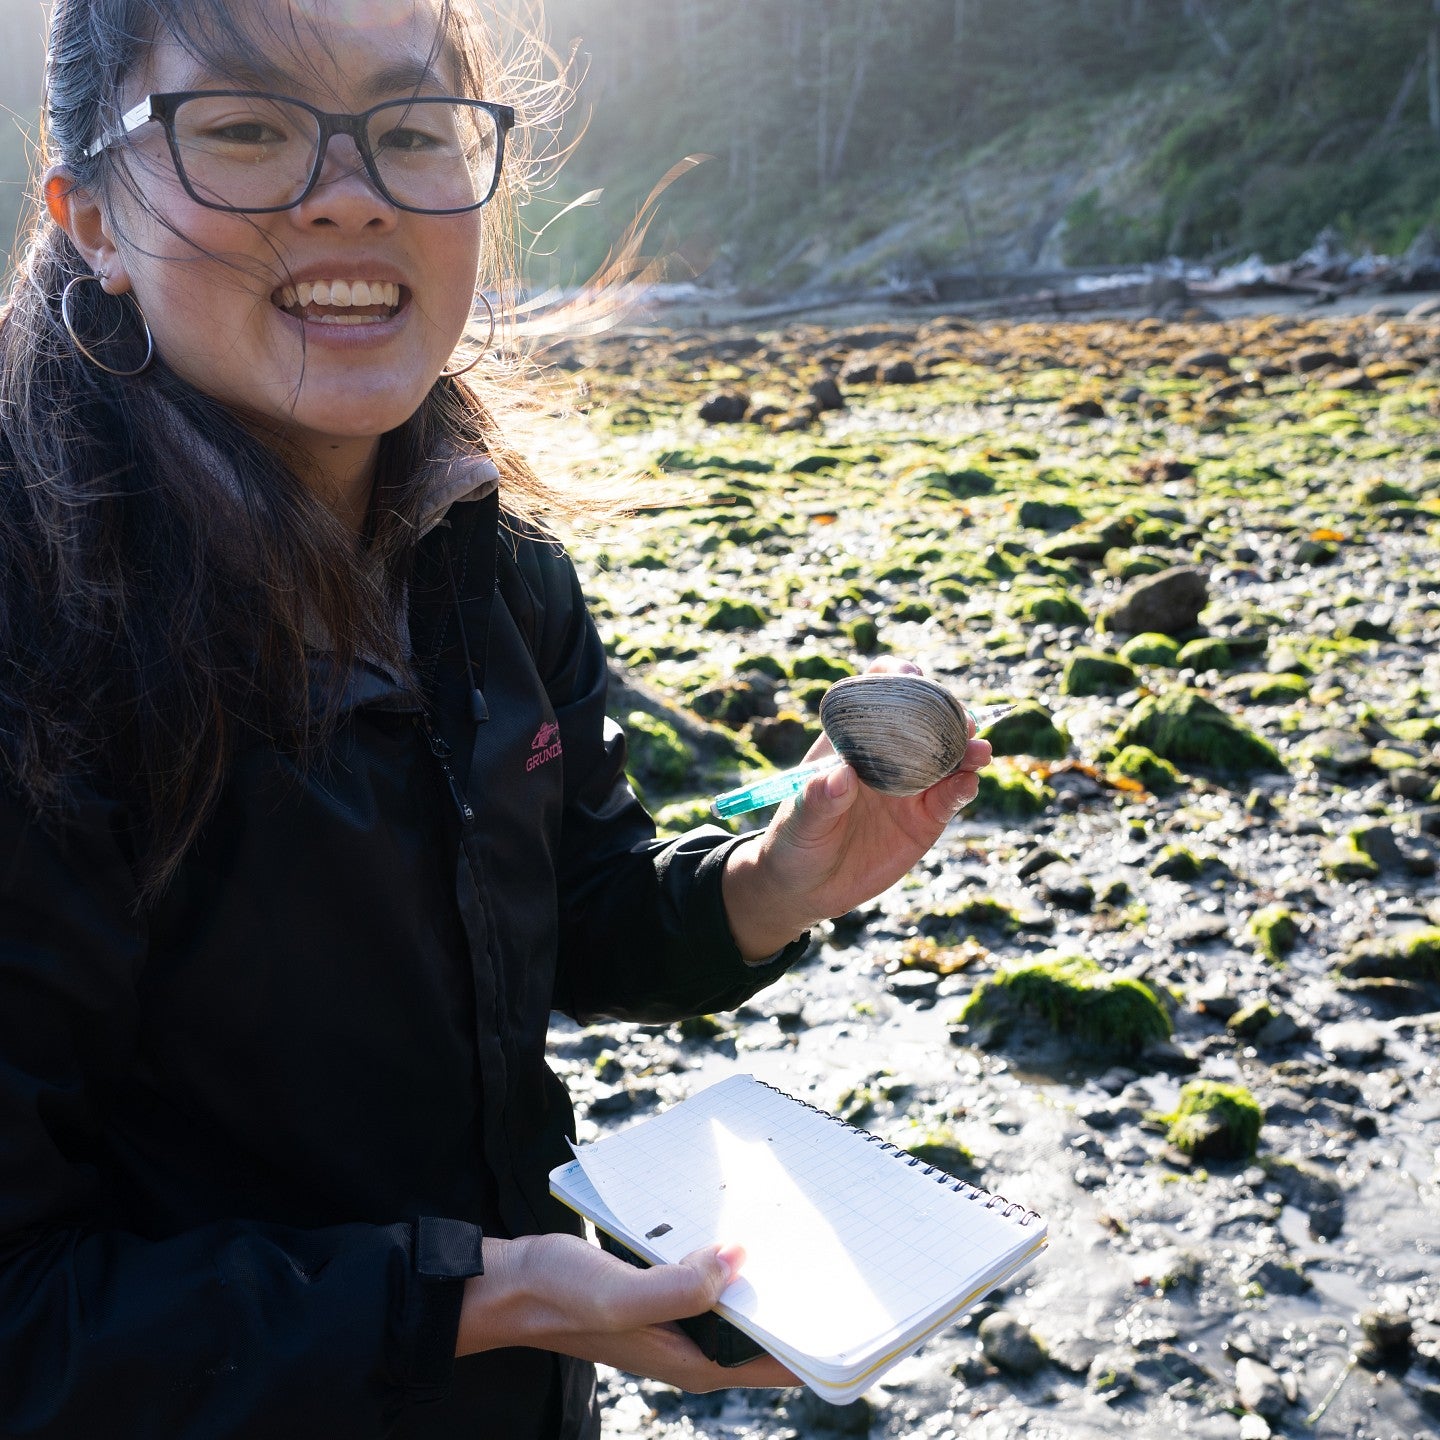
[(345, 293)]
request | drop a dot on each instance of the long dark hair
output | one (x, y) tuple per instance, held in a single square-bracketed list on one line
[(160, 566)]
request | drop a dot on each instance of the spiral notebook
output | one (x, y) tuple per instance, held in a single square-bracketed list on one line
[(856, 1252)]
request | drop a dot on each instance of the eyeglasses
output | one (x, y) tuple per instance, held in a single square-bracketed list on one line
[(247, 151)]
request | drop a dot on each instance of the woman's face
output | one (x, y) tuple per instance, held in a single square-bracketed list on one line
[(237, 303)]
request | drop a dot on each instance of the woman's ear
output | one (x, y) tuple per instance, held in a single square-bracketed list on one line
[(77, 212)]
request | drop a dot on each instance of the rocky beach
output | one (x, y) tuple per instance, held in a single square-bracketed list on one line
[(1174, 979)]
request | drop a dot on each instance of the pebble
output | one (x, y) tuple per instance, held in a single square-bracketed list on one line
[(1353, 1042), (1258, 1388), (1010, 1345)]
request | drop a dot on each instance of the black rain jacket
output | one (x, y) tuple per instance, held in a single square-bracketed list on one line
[(250, 1137)]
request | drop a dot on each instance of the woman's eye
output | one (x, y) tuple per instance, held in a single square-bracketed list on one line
[(247, 132), (405, 140)]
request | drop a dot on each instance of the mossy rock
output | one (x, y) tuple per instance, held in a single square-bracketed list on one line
[(1275, 931), (1214, 1121), (1049, 515), (1316, 552), (966, 483), (1047, 607), (912, 611), (863, 633), (1266, 689), (1006, 793), (1131, 564), (1345, 861), (1151, 648), (658, 758), (942, 1149), (1383, 492), (1090, 672), (816, 463), (1412, 956), (821, 667), (1249, 1020), (1076, 999), (1177, 862), (761, 664), (1423, 729), (1029, 729), (729, 615), (1188, 730), (1145, 767), (981, 912), (686, 815), (1210, 652)]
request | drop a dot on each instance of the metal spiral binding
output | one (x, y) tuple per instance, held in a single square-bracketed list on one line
[(1009, 1209)]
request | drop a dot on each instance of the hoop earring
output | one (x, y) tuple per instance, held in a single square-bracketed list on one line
[(479, 354), (85, 350)]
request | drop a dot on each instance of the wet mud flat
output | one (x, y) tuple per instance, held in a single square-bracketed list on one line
[(1223, 788)]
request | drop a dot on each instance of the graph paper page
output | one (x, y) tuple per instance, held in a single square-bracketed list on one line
[(848, 1245)]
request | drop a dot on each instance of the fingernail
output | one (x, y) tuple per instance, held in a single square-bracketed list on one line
[(732, 1257)]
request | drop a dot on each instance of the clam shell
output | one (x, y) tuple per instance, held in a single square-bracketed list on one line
[(900, 733)]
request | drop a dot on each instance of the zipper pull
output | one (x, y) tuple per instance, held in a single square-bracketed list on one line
[(442, 753)]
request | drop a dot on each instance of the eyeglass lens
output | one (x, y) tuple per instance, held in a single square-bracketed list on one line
[(246, 152)]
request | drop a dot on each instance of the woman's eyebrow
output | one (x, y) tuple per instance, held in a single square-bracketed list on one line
[(400, 77)]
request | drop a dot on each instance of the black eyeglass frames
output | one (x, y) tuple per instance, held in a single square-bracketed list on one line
[(256, 153)]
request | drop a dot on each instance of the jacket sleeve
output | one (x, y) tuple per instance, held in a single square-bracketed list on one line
[(643, 929), (226, 1330)]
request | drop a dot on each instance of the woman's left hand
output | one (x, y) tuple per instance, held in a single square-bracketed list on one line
[(836, 845)]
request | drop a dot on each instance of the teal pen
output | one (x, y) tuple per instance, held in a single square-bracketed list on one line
[(774, 789)]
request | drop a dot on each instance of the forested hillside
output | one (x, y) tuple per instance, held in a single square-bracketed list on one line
[(853, 140), (859, 136), (22, 33)]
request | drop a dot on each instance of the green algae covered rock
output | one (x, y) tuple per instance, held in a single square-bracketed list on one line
[(1151, 648), (821, 667), (1047, 607), (1049, 515), (1275, 931), (658, 757), (1266, 689), (943, 1149), (1414, 955), (1145, 767), (725, 615), (1074, 997), (1091, 672), (1188, 730), (1210, 652), (1029, 729), (1214, 1121), (1009, 794), (1249, 1020), (1344, 860), (684, 815)]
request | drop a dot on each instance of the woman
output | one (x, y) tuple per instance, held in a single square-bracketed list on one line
[(310, 813)]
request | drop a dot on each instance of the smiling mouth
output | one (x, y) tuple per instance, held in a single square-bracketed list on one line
[(340, 302)]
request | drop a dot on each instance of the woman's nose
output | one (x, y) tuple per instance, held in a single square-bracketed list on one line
[(344, 193)]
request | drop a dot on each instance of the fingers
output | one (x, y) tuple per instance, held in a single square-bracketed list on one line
[(893, 665), (664, 1353), (635, 1298)]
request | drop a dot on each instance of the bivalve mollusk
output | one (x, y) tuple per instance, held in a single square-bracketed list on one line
[(900, 733)]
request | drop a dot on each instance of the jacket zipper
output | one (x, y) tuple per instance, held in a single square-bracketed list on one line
[(442, 753)]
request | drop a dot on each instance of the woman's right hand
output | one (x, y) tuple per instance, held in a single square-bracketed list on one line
[(556, 1292)]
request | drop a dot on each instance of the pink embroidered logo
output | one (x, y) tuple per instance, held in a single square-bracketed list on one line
[(544, 747)]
